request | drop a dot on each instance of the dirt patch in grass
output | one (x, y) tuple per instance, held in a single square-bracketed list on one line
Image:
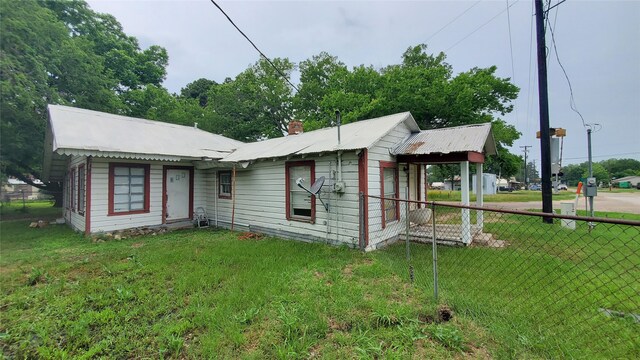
[(347, 271), (336, 325), (250, 236), (445, 314)]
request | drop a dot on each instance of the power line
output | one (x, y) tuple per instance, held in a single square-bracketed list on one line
[(530, 83), (453, 20), (481, 26), (551, 7), (513, 71), (254, 46), (572, 102), (513, 68)]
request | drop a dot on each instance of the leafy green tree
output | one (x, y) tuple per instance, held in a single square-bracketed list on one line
[(423, 84), (621, 167), (257, 104), (532, 173), (199, 90), (62, 53), (599, 172), (573, 173), (504, 163), (318, 77)]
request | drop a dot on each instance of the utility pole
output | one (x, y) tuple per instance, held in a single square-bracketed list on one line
[(591, 188), (526, 179), (545, 140)]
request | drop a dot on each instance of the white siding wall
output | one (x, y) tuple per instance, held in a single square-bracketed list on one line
[(102, 222), (209, 193), (380, 152), (73, 217), (260, 203)]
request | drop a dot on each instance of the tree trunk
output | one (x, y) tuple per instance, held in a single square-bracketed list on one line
[(55, 189)]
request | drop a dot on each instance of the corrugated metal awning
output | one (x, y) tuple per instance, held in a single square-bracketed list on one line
[(468, 138)]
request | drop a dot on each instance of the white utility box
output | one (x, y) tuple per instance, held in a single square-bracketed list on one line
[(568, 208)]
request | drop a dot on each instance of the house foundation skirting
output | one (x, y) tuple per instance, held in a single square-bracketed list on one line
[(283, 234)]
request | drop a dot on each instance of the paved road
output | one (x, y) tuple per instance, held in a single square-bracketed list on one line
[(605, 201)]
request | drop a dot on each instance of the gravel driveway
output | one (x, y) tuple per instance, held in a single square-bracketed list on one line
[(628, 202)]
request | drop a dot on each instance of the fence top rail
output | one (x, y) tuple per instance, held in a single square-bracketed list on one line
[(517, 212)]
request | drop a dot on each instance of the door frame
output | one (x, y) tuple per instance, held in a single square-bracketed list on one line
[(164, 189)]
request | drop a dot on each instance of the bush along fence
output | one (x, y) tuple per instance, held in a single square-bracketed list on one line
[(542, 284)]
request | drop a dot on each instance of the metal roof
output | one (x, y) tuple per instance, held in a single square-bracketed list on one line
[(357, 135), (465, 138), (85, 132)]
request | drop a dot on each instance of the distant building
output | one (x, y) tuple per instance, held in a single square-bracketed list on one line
[(14, 190), (633, 180)]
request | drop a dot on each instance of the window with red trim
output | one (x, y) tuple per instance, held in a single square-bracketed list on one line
[(389, 189), (128, 189), (81, 188), (72, 189), (67, 191), (300, 204), (224, 184)]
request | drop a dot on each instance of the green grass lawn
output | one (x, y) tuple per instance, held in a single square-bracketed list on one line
[(542, 295), (33, 210), (515, 196), (208, 293)]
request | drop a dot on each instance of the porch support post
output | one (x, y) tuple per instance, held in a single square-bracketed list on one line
[(464, 183), (479, 196)]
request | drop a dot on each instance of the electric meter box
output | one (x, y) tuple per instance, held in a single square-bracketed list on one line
[(591, 189)]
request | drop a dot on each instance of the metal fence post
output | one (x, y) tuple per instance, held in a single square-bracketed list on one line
[(406, 228), (435, 252), (361, 240)]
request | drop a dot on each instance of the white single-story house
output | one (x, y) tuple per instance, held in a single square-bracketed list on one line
[(121, 172)]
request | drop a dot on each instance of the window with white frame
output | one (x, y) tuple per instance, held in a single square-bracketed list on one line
[(224, 188), (300, 204)]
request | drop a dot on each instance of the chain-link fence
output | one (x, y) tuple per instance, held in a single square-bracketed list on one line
[(549, 285)]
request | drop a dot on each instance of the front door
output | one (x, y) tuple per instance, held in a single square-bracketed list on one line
[(177, 183)]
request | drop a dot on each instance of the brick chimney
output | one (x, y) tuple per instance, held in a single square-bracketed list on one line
[(295, 127)]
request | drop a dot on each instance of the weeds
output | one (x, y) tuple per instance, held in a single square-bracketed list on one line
[(448, 336), (37, 276)]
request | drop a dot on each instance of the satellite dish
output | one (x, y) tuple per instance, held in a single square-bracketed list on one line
[(315, 189), (317, 186)]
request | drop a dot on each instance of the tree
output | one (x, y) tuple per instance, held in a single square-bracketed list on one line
[(257, 104), (621, 167), (62, 53), (423, 84), (318, 77), (599, 172), (443, 172), (532, 172), (573, 173), (198, 90)]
